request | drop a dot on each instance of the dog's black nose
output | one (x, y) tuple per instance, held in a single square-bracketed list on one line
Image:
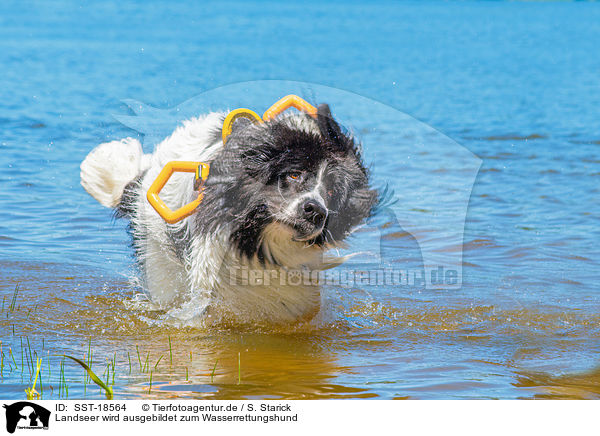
[(314, 212)]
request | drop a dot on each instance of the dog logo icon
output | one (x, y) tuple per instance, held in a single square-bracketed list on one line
[(26, 415)]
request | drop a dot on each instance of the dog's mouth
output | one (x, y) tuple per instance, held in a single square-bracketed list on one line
[(304, 232), (305, 226)]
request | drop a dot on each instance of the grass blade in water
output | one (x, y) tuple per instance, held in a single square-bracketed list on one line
[(108, 390)]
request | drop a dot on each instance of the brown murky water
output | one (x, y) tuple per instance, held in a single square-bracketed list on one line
[(395, 349)]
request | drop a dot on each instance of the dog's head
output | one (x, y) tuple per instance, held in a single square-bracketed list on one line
[(299, 177)]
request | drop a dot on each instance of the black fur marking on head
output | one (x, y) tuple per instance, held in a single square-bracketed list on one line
[(245, 187), (328, 127)]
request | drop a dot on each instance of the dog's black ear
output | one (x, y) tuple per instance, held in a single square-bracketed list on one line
[(329, 128), (356, 208)]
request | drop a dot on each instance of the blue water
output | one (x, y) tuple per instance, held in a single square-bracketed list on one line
[(515, 84)]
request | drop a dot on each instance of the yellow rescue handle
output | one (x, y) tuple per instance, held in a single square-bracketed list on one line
[(281, 105), (201, 169), (287, 102)]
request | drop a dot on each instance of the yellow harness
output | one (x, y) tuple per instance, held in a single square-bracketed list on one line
[(202, 169)]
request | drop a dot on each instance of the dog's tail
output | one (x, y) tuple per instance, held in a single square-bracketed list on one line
[(108, 168)]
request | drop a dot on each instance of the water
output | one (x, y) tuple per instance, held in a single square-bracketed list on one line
[(515, 84)]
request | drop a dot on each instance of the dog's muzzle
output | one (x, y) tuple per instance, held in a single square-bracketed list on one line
[(314, 212), (311, 217)]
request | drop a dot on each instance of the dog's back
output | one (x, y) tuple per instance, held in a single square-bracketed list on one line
[(118, 174)]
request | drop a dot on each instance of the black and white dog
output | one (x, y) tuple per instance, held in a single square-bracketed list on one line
[(278, 196)]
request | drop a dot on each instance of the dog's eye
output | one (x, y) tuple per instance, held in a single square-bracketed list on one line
[(294, 176)]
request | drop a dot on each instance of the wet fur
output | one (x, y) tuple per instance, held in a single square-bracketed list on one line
[(248, 216)]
